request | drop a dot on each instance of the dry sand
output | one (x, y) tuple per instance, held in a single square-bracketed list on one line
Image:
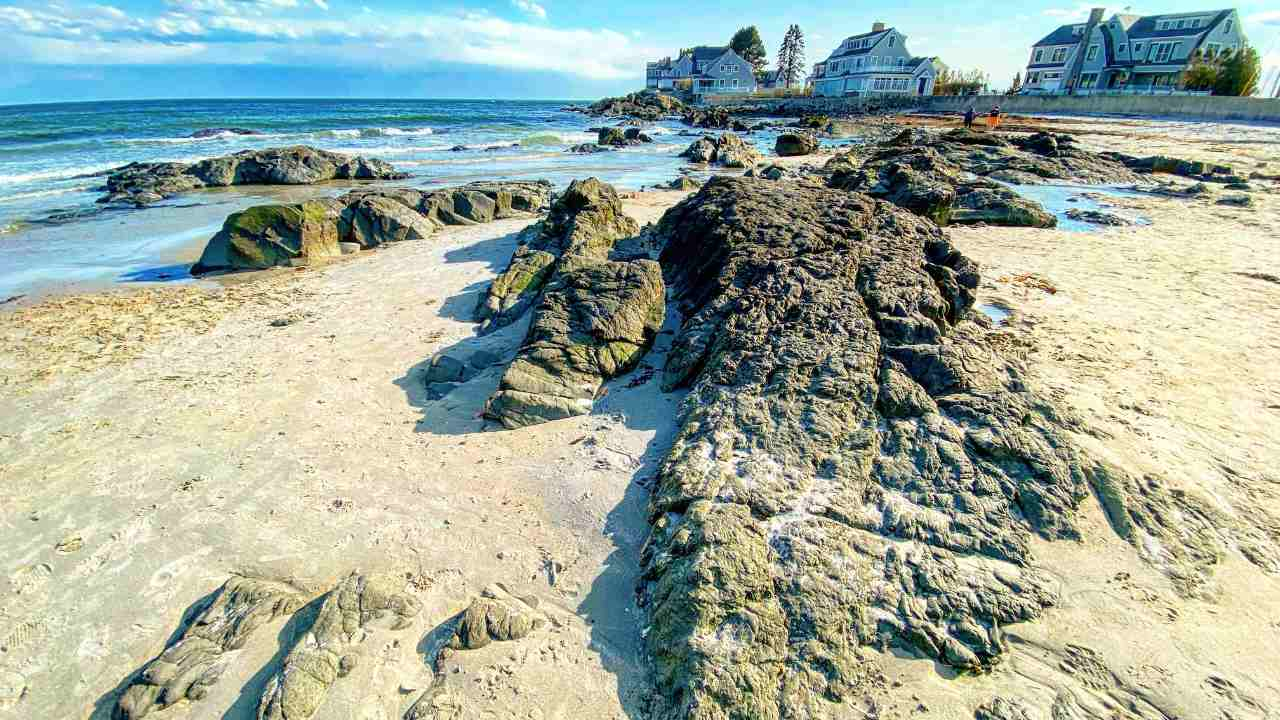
[(156, 441)]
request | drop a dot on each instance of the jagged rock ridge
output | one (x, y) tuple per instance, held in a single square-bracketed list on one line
[(854, 466)]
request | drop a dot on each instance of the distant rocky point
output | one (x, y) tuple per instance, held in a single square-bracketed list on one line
[(214, 132), (141, 184)]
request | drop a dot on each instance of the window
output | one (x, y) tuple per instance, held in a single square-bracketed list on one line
[(1211, 49), (734, 82), (1052, 76), (1161, 25), (1137, 48), (1088, 80), (1059, 55), (1195, 22), (1121, 48), (1077, 30), (1033, 78), (1092, 54), (1181, 24), (1163, 51), (1039, 56), (902, 62), (729, 67), (1226, 27), (891, 38), (858, 64)]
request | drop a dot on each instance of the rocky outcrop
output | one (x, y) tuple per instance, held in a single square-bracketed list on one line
[(621, 137), (1097, 217), (791, 144), (497, 615), (140, 184), (710, 118), (191, 664), (855, 464), (329, 650), (588, 148), (638, 105), (594, 321), (727, 150), (1194, 169), (585, 221), (683, 183), (216, 131), (266, 236), (920, 176)]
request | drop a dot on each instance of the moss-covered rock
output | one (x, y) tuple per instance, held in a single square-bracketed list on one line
[(265, 236), (594, 321)]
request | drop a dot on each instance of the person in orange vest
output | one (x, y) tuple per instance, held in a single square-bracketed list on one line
[(993, 118)]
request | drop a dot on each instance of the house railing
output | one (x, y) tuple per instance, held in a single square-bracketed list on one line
[(1145, 90)]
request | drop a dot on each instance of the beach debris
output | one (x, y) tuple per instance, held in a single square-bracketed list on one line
[(190, 665), (330, 648), (13, 687), (69, 544), (793, 143), (141, 184), (1097, 217)]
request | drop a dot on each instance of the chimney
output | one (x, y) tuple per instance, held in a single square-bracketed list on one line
[(1095, 15), (877, 27)]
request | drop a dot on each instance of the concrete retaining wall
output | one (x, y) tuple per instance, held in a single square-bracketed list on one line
[(1186, 107), (1189, 107)]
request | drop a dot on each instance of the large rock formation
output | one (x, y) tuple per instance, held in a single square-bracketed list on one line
[(638, 105), (923, 179), (141, 184), (329, 649), (191, 664), (585, 221), (270, 235), (594, 321), (855, 464), (497, 615), (727, 150)]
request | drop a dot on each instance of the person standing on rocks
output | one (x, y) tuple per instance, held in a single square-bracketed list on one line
[(993, 118), (968, 118)]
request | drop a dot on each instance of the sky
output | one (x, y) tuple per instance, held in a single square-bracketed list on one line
[(68, 50)]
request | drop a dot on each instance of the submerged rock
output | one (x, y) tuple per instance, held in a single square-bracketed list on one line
[(141, 184), (711, 118), (614, 136), (854, 465), (1097, 217), (594, 321), (585, 221), (791, 144), (328, 650), (990, 203), (214, 132), (191, 664)]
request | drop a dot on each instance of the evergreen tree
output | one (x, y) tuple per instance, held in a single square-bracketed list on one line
[(1239, 73), (747, 43), (1017, 84), (791, 57)]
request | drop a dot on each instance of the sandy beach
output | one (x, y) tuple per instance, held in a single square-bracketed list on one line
[(157, 440)]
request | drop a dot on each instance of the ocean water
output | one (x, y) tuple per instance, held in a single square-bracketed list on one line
[(54, 157)]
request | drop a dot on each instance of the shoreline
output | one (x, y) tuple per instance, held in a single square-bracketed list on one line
[(156, 440)]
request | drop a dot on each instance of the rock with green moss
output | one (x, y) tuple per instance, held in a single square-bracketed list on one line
[(266, 236), (584, 221), (496, 616), (855, 465), (194, 662), (330, 648), (372, 220), (594, 321), (990, 203), (726, 150)]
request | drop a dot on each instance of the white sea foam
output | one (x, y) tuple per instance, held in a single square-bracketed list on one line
[(14, 197), (61, 174)]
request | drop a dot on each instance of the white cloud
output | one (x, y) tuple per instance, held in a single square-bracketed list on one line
[(1267, 17), (282, 32), (530, 7), (322, 4)]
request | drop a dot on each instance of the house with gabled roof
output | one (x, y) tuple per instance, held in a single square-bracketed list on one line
[(702, 70), (874, 63), (1128, 53)]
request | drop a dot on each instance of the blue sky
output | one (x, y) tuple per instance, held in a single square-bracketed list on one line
[(119, 49)]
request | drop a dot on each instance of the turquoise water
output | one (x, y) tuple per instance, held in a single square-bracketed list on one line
[(53, 157)]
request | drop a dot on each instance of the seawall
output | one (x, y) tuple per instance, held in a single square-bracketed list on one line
[(1183, 107)]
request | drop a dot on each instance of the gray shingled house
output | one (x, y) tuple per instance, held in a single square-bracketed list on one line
[(874, 63), (1128, 53), (703, 70)]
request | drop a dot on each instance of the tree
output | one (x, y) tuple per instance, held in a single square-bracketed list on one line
[(1016, 85), (955, 82), (1239, 73), (791, 57), (747, 43)]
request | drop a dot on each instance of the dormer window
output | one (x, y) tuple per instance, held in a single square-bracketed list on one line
[(1226, 27), (891, 39)]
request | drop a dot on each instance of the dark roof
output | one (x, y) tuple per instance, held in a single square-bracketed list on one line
[(1064, 35), (861, 51), (1146, 26), (707, 53)]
